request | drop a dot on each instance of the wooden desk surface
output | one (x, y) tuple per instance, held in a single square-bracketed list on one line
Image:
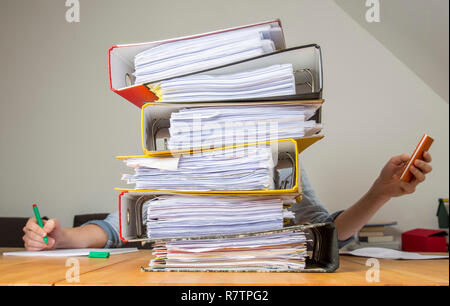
[(124, 269), (47, 270)]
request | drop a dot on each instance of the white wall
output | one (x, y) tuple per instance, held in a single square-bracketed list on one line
[(416, 32), (61, 126)]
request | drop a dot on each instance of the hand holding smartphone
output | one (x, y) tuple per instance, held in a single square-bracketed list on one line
[(423, 146)]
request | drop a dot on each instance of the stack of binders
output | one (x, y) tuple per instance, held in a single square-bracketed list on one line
[(225, 116)]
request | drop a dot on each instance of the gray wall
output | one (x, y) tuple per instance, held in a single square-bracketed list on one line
[(61, 126)]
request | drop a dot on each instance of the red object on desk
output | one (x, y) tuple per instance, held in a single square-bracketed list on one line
[(424, 240)]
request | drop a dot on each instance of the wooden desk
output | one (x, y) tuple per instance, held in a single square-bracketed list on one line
[(47, 271), (124, 269)]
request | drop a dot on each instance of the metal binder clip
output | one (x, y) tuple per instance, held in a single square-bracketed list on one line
[(309, 81), (141, 230), (288, 182), (128, 80), (157, 126)]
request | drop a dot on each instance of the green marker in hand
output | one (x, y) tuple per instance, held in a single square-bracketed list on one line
[(39, 220)]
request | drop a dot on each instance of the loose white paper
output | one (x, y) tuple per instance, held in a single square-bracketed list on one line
[(391, 254), (162, 163), (69, 252)]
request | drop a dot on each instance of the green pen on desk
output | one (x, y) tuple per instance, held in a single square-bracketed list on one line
[(99, 255), (39, 220)]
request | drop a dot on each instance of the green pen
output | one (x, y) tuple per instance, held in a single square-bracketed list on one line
[(39, 220), (98, 255)]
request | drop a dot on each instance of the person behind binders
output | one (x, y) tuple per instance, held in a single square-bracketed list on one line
[(105, 233)]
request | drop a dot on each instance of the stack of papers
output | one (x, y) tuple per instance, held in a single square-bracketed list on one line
[(244, 168), (180, 216), (186, 56), (218, 126), (272, 81), (271, 252)]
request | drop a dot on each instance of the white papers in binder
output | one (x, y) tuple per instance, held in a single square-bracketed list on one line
[(218, 126), (177, 216), (271, 81), (186, 56), (245, 168), (269, 252)]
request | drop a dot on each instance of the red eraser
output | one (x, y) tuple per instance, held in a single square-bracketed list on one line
[(423, 146)]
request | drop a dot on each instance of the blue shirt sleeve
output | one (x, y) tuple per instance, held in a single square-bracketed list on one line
[(111, 227)]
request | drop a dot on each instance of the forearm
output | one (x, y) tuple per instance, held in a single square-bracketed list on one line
[(386, 186), (88, 236), (349, 222)]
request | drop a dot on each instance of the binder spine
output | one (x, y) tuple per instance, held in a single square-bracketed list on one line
[(121, 217)]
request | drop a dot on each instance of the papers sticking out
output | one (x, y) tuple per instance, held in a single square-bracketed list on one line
[(245, 168), (391, 254), (162, 163), (217, 126), (271, 252), (272, 81), (179, 216), (186, 56), (69, 252)]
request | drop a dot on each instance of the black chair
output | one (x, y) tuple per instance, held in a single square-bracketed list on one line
[(12, 232), (79, 220)]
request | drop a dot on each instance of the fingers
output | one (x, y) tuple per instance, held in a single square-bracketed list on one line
[(33, 245), (51, 243), (427, 157), (395, 165), (49, 226), (33, 238), (423, 166), (419, 175), (399, 160), (32, 241), (408, 188), (34, 227)]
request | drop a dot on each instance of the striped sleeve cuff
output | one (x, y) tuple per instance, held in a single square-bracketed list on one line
[(113, 237)]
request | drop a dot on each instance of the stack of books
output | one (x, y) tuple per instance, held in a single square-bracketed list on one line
[(374, 235), (224, 117)]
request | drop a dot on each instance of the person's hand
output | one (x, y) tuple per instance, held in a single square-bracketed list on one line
[(389, 185), (34, 234)]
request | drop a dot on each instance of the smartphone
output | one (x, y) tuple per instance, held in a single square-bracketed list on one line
[(423, 146)]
